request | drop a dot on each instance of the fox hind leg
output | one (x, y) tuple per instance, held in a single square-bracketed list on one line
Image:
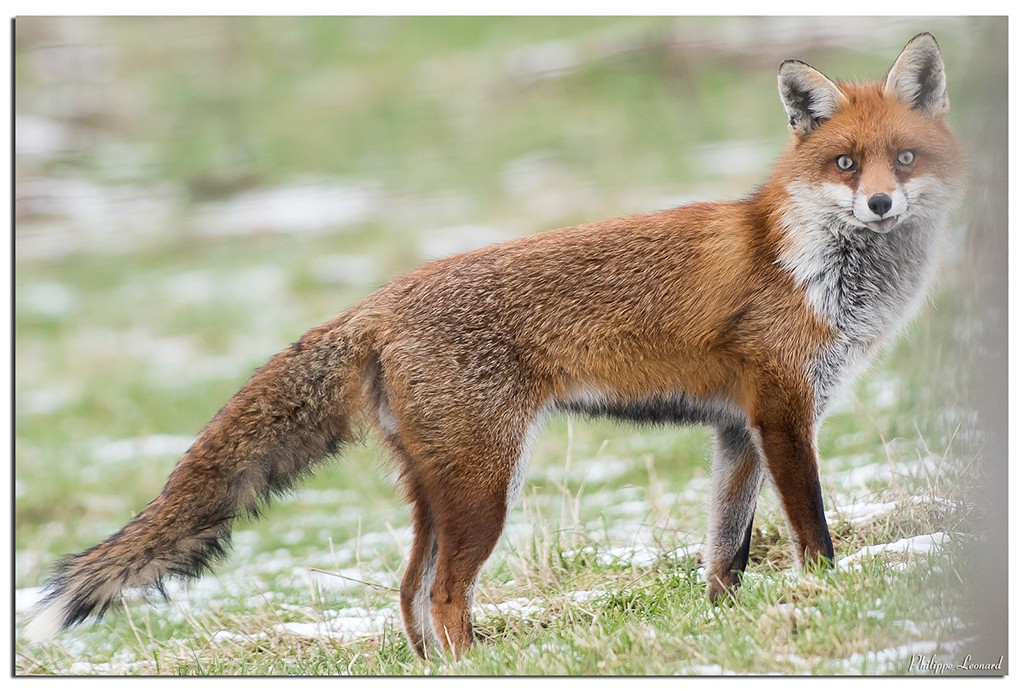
[(459, 510), (468, 523), (737, 473), (460, 462), (418, 579)]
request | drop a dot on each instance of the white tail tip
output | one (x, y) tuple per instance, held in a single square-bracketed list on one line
[(46, 622)]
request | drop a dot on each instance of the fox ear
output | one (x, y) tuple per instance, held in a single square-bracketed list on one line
[(808, 95), (918, 77)]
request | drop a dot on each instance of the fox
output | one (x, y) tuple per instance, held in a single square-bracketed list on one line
[(745, 316)]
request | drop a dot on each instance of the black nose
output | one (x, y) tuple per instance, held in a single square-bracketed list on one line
[(880, 204)]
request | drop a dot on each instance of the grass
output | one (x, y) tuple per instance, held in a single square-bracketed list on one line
[(560, 602), (132, 330)]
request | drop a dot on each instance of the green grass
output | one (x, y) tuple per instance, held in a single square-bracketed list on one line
[(144, 332), (638, 616)]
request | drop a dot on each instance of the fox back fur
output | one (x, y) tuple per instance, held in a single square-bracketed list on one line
[(745, 316)]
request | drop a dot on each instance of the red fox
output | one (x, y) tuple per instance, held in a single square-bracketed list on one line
[(745, 316)]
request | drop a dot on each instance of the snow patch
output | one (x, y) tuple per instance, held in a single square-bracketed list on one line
[(921, 544), (542, 60), (47, 400), (62, 216), (796, 614), (864, 475), (525, 607), (894, 659), (347, 269), (39, 137), (310, 206), (352, 578), (860, 513), (637, 555), (345, 624), (706, 671), (445, 242), (118, 667), (600, 469), (734, 158), (47, 298), (258, 284), (122, 450), (520, 606)]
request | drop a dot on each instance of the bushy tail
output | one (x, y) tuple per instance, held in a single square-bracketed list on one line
[(293, 412)]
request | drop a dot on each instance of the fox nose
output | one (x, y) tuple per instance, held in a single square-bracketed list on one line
[(880, 204)]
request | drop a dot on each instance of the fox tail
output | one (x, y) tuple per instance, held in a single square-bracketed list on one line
[(292, 413)]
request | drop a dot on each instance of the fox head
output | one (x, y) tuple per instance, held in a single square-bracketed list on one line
[(870, 155)]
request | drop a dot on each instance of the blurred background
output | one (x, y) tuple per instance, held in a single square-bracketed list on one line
[(191, 194)]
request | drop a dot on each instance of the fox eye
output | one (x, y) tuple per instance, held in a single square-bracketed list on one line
[(844, 162), (906, 157)]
